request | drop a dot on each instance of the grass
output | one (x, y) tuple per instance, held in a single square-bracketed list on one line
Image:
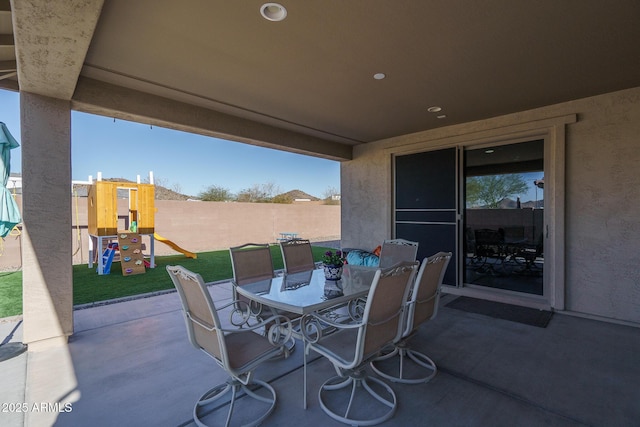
[(10, 294), (89, 287)]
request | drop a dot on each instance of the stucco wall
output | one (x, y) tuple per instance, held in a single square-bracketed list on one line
[(530, 221), (602, 203), (206, 226), (603, 207)]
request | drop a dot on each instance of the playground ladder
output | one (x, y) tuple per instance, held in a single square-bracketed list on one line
[(107, 257)]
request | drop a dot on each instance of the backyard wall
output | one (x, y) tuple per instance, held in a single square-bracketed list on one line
[(602, 197), (528, 220), (205, 226)]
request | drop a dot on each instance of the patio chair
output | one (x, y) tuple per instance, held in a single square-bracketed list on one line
[(354, 344), (530, 252), (297, 256), (421, 306), (491, 250), (397, 250), (238, 351), (250, 263)]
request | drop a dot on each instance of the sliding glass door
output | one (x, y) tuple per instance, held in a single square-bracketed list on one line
[(485, 204), (503, 217)]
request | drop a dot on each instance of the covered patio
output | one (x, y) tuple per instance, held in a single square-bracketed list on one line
[(131, 364), (491, 73), (118, 60)]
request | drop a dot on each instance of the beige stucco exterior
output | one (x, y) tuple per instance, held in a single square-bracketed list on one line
[(601, 192)]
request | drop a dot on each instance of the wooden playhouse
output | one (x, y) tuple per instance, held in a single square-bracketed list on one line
[(103, 212), (110, 220)]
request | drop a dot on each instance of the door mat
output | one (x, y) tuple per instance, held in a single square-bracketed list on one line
[(498, 310)]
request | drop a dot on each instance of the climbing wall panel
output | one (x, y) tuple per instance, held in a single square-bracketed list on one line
[(131, 257)]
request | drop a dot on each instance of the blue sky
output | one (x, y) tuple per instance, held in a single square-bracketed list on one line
[(179, 160), (534, 193)]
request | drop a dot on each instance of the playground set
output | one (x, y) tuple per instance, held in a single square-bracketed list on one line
[(124, 240)]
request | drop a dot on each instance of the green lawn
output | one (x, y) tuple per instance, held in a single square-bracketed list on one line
[(89, 287), (10, 294)]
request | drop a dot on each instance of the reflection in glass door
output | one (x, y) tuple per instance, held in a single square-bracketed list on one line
[(504, 202)]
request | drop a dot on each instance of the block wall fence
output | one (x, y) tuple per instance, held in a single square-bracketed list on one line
[(202, 226)]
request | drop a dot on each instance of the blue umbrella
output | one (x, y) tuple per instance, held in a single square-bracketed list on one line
[(9, 213)]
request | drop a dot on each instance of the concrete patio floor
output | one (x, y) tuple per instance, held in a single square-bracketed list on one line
[(130, 364)]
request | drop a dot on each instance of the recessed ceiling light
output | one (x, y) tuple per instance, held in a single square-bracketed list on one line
[(434, 109), (273, 12), (442, 116), (489, 151), (379, 76)]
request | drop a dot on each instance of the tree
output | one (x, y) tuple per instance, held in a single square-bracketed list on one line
[(216, 193), (282, 198), (258, 193), (177, 187), (331, 196), (489, 190)]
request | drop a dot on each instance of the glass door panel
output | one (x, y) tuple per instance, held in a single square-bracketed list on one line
[(503, 217)]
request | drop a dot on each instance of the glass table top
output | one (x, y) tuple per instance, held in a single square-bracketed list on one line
[(309, 291)]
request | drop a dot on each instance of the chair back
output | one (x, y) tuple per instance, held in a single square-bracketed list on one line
[(397, 250), (383, 312), (251, 262), (297, 255), (422, 305), (200, 315)]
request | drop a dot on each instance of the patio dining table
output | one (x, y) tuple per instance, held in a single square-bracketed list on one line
[(307, 292)]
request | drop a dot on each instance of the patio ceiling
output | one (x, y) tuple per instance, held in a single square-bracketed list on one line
[(306, 83)]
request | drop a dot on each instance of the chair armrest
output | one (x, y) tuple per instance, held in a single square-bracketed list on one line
[(277, 328), (241, 314), (235, 303), (314, 326)]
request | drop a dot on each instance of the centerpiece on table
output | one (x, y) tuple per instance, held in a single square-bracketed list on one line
[(332, 263)]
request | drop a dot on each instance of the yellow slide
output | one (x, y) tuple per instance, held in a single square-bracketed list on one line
[(172, 245)]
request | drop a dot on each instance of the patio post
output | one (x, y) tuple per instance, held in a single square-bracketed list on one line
[(47, 282)]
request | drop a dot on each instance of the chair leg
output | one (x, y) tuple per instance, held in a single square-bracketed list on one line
[(234, 390), (359, 383), (398, 374)]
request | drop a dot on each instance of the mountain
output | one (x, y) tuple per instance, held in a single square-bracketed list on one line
[(513, 204), (161, 193), (297, 194)]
